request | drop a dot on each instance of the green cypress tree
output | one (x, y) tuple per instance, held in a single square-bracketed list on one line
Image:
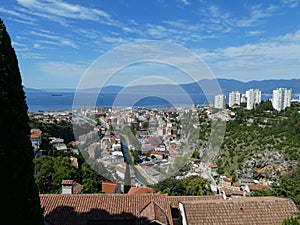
[(20, 198)]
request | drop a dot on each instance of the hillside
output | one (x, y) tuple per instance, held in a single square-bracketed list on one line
[(261, 143)]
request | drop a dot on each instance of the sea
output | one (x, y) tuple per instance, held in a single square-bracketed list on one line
[(55, 101)]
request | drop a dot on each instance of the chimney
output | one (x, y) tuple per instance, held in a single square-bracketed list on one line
[(67, 186), (224, 195)]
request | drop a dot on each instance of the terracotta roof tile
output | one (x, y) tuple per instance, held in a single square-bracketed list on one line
[(66, 209), (257, 187), (174, 200), (109, 187), (35, 134), (239, 211), (231, 192), (77, 188), (67, 182), (140, 190)]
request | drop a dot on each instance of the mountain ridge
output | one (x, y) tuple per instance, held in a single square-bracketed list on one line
[(226, 85)]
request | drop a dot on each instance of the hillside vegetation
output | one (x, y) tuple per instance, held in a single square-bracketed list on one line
[(261, 142)]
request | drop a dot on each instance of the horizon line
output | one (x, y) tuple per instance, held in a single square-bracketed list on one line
[(117, 85)]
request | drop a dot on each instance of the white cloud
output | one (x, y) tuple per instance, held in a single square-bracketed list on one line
[(269, 59), (25, 18), (115, 40), (184, 25), (291, 3), (158, 31), (60, 40), (53, 9), (257, 13), (62, 69), (31, 55), (254, 32), (186, 2), (180, 32), (294, 37), (37, 45), (17, 44)]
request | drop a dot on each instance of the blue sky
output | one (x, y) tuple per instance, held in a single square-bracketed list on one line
[(57, 40)]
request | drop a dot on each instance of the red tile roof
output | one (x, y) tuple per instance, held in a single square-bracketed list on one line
[(140, 190), (77, 188), (79, 209), (35, 134), (174, 200), (240, 211), (212, 165), (154, 141), (257, 187), (231, 192), (67, 182), (109, 187), (75, 143)]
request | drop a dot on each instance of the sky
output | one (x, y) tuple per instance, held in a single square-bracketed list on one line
[(58, 41)]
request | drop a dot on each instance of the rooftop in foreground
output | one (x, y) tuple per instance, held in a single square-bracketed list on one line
[(87, 209)]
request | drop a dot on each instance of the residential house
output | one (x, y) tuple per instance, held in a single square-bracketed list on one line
[(213, 169), (159, 154), (36, 140), (153, 143), (225, 181), (58, 143)]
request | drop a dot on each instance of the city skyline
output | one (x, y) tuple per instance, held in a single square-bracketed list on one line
[(281, 99), (56, 41)]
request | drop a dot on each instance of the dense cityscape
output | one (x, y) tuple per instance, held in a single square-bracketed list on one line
[(154, 137), (141, 149)]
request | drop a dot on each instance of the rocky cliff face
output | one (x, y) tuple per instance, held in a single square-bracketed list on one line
[(270, 165)]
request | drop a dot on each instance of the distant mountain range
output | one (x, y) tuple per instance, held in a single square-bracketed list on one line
[(266, 86), (226, 85)]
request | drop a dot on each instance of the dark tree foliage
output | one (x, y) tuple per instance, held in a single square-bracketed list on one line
[(60, 129), (191, 186), (20, 196), (43, 173), (91, 176), (127, 183), (291, 221)]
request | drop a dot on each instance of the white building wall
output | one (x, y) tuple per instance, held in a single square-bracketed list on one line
[(287, 98), (243, 98), (220, 101), (67, 189), (253, 97), (183, 214), (281, 98), (234, 98)]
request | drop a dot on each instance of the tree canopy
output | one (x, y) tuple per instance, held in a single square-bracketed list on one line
[(20, 194), (193, 185)]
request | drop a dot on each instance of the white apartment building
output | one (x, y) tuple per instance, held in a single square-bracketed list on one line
[(243, 98), (234, 98), (220, 101), (253, 97), (281, 98)]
